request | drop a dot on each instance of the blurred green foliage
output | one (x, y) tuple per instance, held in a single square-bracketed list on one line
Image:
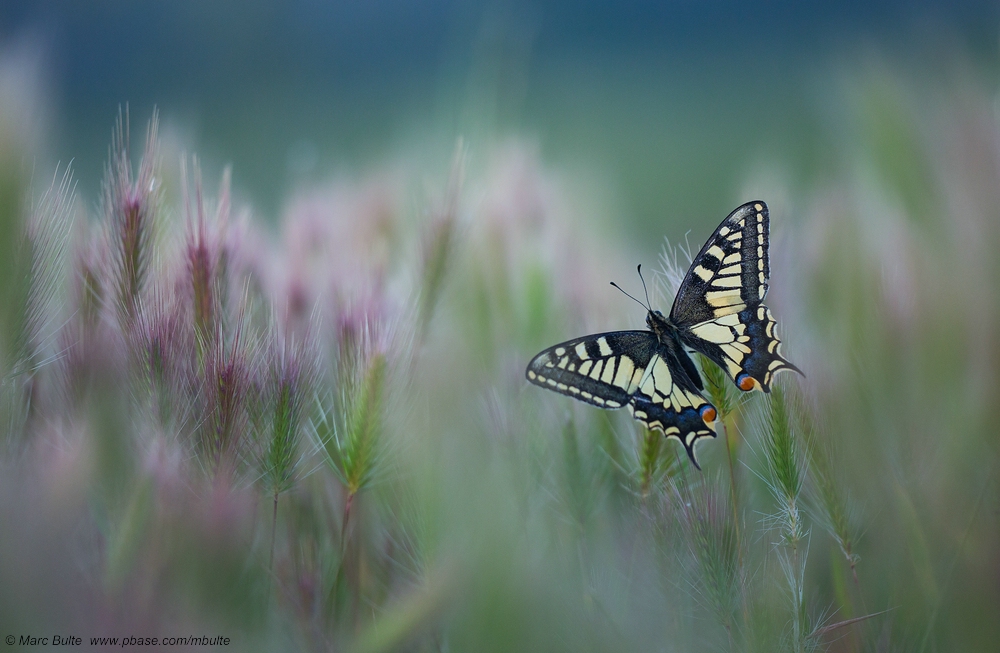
[(348, 456)]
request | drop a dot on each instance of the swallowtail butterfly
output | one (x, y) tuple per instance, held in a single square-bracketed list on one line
[(718, 312)]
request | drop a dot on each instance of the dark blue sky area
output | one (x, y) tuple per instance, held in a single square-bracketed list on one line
[(124, 47), (254, 79)]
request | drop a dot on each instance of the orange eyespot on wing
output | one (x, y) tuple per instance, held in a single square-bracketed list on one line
[(708, 413), (745, 382)]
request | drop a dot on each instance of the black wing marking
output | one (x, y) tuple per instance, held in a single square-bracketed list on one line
[(744, 344), (730, 272), (666, 400), (603, 369)]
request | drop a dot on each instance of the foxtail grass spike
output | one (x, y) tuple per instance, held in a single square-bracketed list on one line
[(130, 202), (440, 239)]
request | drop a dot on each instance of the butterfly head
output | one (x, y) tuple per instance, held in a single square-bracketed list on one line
[(656, 321)]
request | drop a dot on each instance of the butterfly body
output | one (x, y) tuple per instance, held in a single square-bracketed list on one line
[(718, 312), (671, 348)]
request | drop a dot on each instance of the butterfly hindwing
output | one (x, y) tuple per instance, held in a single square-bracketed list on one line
[(667, 400), (743, 344), (603, 369), (730, 272)]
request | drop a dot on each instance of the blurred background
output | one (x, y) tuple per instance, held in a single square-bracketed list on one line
[(667, 103), (276, 392)]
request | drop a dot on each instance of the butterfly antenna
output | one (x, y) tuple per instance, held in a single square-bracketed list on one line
[(639, 270), (629, 296)]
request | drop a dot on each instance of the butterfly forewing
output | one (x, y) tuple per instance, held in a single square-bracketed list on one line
[(730, 272), (603, 369)]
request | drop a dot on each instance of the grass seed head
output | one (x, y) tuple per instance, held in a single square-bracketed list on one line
[(130, 203)]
